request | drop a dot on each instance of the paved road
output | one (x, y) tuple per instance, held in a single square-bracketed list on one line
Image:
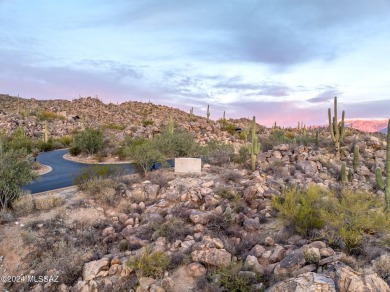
[(63, 173)]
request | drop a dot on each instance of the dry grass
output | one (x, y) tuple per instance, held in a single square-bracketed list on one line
[(48, 202)]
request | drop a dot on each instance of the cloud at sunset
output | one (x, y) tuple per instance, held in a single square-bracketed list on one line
[(279, 60)]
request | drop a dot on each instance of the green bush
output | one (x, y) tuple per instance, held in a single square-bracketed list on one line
[(276, 137), (346, 218), (18, 141), (94, 173), (89, 141), (74, 151), (230, 128), (15, 171), (354, 215), (173, 229), (218, 153), (231, 280), (150, 264), (301, 208), (177, 144), (48, 116), (146, 123)]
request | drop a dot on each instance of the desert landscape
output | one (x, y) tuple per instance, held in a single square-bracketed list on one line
[(194, 146), (271, 208)]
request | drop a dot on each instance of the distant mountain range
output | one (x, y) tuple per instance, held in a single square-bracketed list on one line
[(368, 125)]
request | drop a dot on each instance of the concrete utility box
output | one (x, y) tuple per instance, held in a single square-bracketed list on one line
[(187, 165)]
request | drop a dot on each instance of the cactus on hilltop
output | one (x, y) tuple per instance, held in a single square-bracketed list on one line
[(191, 113), (208, 112), (254, 148), (224, 119), (337, 130), (379, 179)]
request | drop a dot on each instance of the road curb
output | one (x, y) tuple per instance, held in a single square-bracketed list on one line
[(56, 191)]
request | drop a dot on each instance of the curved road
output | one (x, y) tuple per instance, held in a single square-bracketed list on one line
[(63, 173)]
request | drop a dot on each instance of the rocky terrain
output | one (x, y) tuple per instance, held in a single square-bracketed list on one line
[(130, 118), (218, 230)]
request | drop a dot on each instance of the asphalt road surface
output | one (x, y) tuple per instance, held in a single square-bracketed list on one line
[(63, 173)]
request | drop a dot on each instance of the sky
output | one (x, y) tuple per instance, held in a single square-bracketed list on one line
[(280, 60)]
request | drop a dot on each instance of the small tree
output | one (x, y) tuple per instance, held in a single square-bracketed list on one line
[(89, 141), (145, 154), (15, 171)]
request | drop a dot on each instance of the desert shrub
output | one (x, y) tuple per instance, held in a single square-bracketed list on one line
[(121, 153), (146, 123), (276, 137), (218, 153), (343, 219), (230, 128), (17, 141), (355, 214), (74, 151), (48, 202), (177, 144), (15, 171), (6, 216), (243, 155), (228, 193), (231, 175), (89, 141), (230, 278), (161, 178), (65, 140), (48, 116), (95, 174), (149, 264), (24, 205), (45, 146), (301, 208), (172, 229), (113, 126)]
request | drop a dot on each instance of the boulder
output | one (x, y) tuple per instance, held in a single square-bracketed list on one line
[(312, 282), (212, 256)]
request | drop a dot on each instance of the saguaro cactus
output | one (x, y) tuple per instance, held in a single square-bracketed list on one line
[(224, 119), (208, 112), (254, 148), (337, 130), (171, 124), (343, 173), (355, 158), (379, 179), (45, 133), (191, 113)]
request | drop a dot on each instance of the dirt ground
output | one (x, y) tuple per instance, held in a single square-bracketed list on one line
[(12, 247)]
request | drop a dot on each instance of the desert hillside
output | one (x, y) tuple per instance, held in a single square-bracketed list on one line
[(270, 209)]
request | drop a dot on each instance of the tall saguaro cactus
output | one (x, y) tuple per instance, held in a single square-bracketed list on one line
[(337, 130), (171, 124), (191, 113), (254, 148), (45, 133), (379, 179), (208, 112)]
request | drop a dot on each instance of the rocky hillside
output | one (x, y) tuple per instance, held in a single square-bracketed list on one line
[(131, 118), (214, 231)]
